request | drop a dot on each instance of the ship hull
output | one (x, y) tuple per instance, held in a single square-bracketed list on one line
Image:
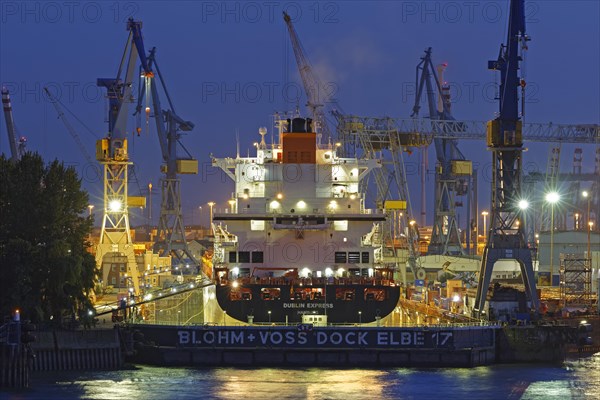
[(342, 304)]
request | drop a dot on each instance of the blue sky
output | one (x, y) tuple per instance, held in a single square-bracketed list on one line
[(225, 64)]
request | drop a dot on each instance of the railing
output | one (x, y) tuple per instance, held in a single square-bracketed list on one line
[(300, 282)]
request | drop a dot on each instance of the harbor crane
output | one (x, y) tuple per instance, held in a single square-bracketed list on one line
[(17, 147), (112, 152), (506, 239), (316, 92), (70, 129), (115, 245), (414, 132), (451, 169), (171, 233)]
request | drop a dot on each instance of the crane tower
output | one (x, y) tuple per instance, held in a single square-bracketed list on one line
[(111, 152), (506, 239)]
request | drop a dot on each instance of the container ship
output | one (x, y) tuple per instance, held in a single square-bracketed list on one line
[(297, 244)]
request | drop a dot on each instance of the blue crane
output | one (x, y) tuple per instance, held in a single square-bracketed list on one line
[(506, 238), (445, 236), (170, 239)]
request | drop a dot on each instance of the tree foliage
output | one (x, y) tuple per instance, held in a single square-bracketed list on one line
[(45, 268)]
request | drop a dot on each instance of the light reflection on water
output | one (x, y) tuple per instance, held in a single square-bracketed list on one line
[(573, 380)]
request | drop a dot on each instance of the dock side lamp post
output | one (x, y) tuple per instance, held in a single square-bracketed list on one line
[(552, 198), (150, 203), (360, 317), (484, 214), (269, 312), (200, 221), (589, 250), (211, 204), (587, 196)]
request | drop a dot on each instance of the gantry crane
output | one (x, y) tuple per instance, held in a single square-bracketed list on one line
[(367, 137), (69, 127), (111, 152), (17, 148), (373, 134), (506, 238), (451, 169), (171, 233), (420, 130)]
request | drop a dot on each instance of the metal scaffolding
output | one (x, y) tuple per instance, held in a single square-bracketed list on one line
[(575, 280)]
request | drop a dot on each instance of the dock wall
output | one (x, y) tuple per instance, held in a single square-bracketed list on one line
[(15, 366), (77, 350)]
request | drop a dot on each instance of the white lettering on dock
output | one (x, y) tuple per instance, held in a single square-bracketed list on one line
[(297, 337), (414, 338)]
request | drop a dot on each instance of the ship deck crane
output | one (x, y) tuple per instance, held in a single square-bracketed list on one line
[(17, 147), (445, 236), (171, 233)]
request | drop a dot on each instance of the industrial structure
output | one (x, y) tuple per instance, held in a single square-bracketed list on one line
[(17, 147), (506, 238), (512, 226), (115, 237), (171, 234), (452, 172), (575, 281)]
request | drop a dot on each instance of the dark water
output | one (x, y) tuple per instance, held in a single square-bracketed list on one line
[(572, 380)]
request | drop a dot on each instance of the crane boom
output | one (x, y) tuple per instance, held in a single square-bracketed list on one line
[(316, 95), (69, 127), (426, 129)]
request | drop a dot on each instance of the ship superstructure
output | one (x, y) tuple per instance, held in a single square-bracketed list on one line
[(298, 244)]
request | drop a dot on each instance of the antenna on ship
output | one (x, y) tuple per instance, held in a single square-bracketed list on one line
[(262, 131), (237, 143)]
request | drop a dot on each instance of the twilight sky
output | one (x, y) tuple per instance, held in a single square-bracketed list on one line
[(229, 66)]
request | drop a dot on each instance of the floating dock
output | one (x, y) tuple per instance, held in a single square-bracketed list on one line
[(305, 345)]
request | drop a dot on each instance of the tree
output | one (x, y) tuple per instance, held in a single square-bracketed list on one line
[(45, 268)]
